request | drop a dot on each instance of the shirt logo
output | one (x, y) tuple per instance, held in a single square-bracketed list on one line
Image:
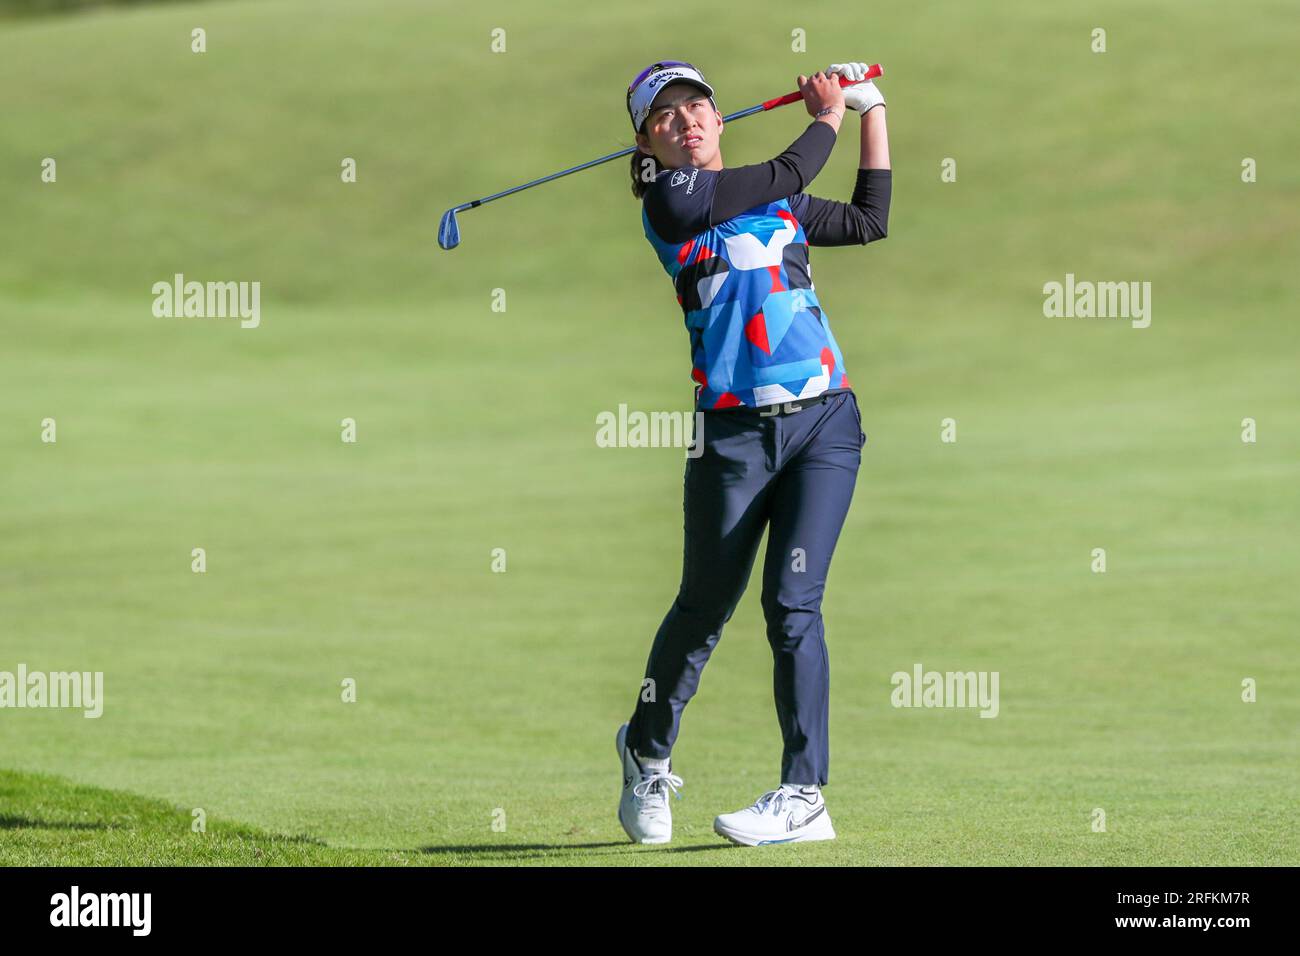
[(680, 177)]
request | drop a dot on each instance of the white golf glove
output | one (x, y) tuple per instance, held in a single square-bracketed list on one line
[(862, 96)]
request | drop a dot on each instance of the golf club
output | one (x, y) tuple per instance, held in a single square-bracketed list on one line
[(449, 229)]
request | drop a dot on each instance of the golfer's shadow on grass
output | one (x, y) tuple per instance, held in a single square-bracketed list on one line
[(518, 849), (8, 822)]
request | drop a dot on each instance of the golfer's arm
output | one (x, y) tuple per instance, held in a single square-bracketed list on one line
[(875, 140), (743, 187), (865, 218)]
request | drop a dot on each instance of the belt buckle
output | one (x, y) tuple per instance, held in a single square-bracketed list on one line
[(789, 408)]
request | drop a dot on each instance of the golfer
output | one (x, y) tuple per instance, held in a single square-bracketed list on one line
[(782, 434)]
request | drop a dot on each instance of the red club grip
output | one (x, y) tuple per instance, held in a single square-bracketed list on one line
[(873, 71)]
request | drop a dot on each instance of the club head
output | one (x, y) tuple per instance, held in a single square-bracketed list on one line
[(448, 230)]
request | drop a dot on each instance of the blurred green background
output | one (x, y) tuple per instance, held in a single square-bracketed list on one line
[(479, 691)]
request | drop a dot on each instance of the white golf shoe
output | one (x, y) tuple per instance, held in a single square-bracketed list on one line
[(643, 808), (779, 816)]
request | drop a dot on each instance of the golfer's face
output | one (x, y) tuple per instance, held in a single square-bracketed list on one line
[(683, 126)]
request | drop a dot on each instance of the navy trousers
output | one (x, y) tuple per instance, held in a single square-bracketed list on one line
[(793, 473)]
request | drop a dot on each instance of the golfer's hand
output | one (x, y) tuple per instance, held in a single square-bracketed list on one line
[(862, 96), (820, 91)]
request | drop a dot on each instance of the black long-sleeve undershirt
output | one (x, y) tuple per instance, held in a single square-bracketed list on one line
[(744, 187), (865, 218)]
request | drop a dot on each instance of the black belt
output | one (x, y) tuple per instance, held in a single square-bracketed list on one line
[(781, 409)]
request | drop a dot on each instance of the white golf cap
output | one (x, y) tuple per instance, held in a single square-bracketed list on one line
[(654, 78)]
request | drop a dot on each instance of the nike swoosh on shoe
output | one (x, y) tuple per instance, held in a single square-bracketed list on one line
[(791, 825)]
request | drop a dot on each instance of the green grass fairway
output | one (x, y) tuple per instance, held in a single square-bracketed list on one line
[(487, 703)]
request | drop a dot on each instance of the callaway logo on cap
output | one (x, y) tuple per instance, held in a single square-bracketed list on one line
[(641, 93)]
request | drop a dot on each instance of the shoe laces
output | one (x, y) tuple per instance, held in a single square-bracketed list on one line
[(776, 799), (653, 788)]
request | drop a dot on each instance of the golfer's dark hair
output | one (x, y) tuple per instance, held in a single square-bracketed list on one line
[(641, 166)]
